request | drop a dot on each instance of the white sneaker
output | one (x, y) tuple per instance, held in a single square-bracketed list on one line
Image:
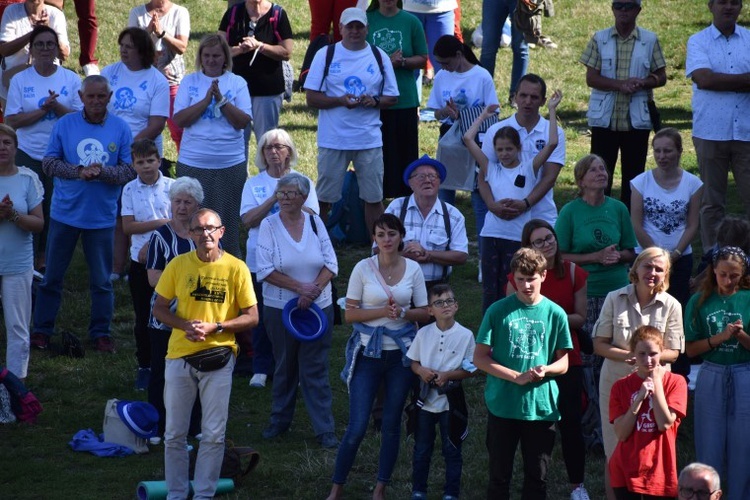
[(258, 380), (579, 493), (154, 441), (90, 69)]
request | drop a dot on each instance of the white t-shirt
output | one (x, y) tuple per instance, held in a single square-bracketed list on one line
[(430, 6), (28, 90), (256, 191), (357, 73), (504, 184), (468, 89), (531, 143), (137, 95), (211, 142), (302, 260), (16, 23), (176, 22), (442, 351), (665, 212), (16, 244), (146, 202), (365, 287)]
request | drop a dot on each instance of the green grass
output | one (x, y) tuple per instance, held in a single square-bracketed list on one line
[(36, 462)]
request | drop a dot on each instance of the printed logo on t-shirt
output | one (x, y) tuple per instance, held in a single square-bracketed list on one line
[(666, 217), (208, 289), (539, 144), (389, 41), (645, 421), (91, 151), (50, 114), (527, 338), (717, 321), (354, 86), (601, 237), (125, 99)]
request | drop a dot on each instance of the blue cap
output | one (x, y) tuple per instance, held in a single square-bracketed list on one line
[(425, 160)]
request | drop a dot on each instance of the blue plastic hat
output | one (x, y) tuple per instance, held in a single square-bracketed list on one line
[(140, 417), (306, 325)]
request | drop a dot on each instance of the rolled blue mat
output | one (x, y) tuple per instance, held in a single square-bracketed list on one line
[(157, 490)]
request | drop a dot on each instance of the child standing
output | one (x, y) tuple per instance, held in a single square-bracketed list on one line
[(145, 207), (505, 187), (441, 355), (646, 408), (523, 341)]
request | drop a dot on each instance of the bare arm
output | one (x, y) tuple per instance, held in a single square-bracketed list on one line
[(253, 217), (483, 360), (130, 226), (153, 128), (178, 44), (693, 217), (471, 134), (542, 156), (663, 415), (577, 318), (636, 218), (706, 79), (186, 117), (153, 276)]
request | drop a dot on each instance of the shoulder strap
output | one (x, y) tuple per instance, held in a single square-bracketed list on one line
[(379, 276), (447, 222), (233, 16), (313, 224), (379, 59), (404, 206), (274, 20), (329, 58)]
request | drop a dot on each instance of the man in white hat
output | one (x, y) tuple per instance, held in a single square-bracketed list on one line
[(350, 82)]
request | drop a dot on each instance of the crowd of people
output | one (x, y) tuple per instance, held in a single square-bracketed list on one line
[(594, 294)]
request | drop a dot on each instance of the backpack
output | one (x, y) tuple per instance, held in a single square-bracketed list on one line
[(325, 41), (446, 221), (286, 66), (318, 43), (375, 52), (346, 220)]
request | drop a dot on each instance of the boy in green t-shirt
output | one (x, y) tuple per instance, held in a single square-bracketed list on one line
[(522, 342)]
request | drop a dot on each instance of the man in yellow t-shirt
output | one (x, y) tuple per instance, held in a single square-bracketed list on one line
[(215, 299)]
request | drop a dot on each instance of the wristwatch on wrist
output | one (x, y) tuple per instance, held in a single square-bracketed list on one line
[(162, 34), (219, 327), (403, 313), (376, 98), (14, 216)]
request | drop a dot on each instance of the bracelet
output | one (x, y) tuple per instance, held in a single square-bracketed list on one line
[(403, 62), (14, 216), (262, 47), (709, 343), (528, 205), (679, 254), (222, 103), (161, 35), (376, 98)]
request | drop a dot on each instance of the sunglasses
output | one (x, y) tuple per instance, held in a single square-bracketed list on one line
[(625, 6)]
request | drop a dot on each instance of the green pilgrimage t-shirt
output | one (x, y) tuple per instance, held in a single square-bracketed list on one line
[(521, 337), (711, 318), (402, 31), (582, 228)]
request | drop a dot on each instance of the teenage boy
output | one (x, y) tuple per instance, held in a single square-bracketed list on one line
[(441, 354), (522, 343), (145, 207)]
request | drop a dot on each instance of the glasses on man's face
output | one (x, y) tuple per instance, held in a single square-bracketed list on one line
[(421, 177), (44, 45), (275, 147), (208, 230), (444, 303), (288, 195), (688, 493), (624, 5), (541, 242)]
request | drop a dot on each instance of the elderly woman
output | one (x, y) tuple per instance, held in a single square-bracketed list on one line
[(166, 243), (213, 108), (644, 302), (168, 25), (36, 100), (16, 26), (260, 36), (382, 290), (296, 262), (274, 158), (400, 122), (20, 215)]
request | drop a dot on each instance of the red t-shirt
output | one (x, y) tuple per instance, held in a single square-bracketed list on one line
[(561, 291), (646, 462)]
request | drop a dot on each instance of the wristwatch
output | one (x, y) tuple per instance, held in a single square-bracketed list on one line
[(14, 216), (403, 313), (219, 327), (161, 35)]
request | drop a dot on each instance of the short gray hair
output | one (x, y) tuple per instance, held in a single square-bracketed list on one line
[(93, 79), (282, 137), (189, 186), (715, 480), (297, 180)]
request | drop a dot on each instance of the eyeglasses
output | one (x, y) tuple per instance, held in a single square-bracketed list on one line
[(444, 303), (275, 147), (541, 242), (625, 5), (208, 230), (688, 493), (45, 45), (421, 177), (289, 195), (251, 28)]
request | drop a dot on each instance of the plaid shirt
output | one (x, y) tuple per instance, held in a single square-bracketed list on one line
[(592, 58), (430, 231)]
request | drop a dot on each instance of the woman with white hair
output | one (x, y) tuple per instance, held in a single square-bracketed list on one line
[(275, 157)]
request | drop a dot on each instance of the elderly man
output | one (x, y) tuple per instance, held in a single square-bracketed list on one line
[(215, 299), (718, 61), (89, 157), (350, 82), (435, 230), (623, 63), (700, 482)]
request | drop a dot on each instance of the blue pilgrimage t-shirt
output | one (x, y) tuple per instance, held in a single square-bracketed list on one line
[(88, 204)]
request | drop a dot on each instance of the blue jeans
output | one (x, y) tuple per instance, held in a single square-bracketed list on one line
[(494, 14), (98, 247), (435, 26), (366, 379), (722, 411), (424, 442)]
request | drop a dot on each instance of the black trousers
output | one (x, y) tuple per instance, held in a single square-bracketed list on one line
[(633, 148)]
